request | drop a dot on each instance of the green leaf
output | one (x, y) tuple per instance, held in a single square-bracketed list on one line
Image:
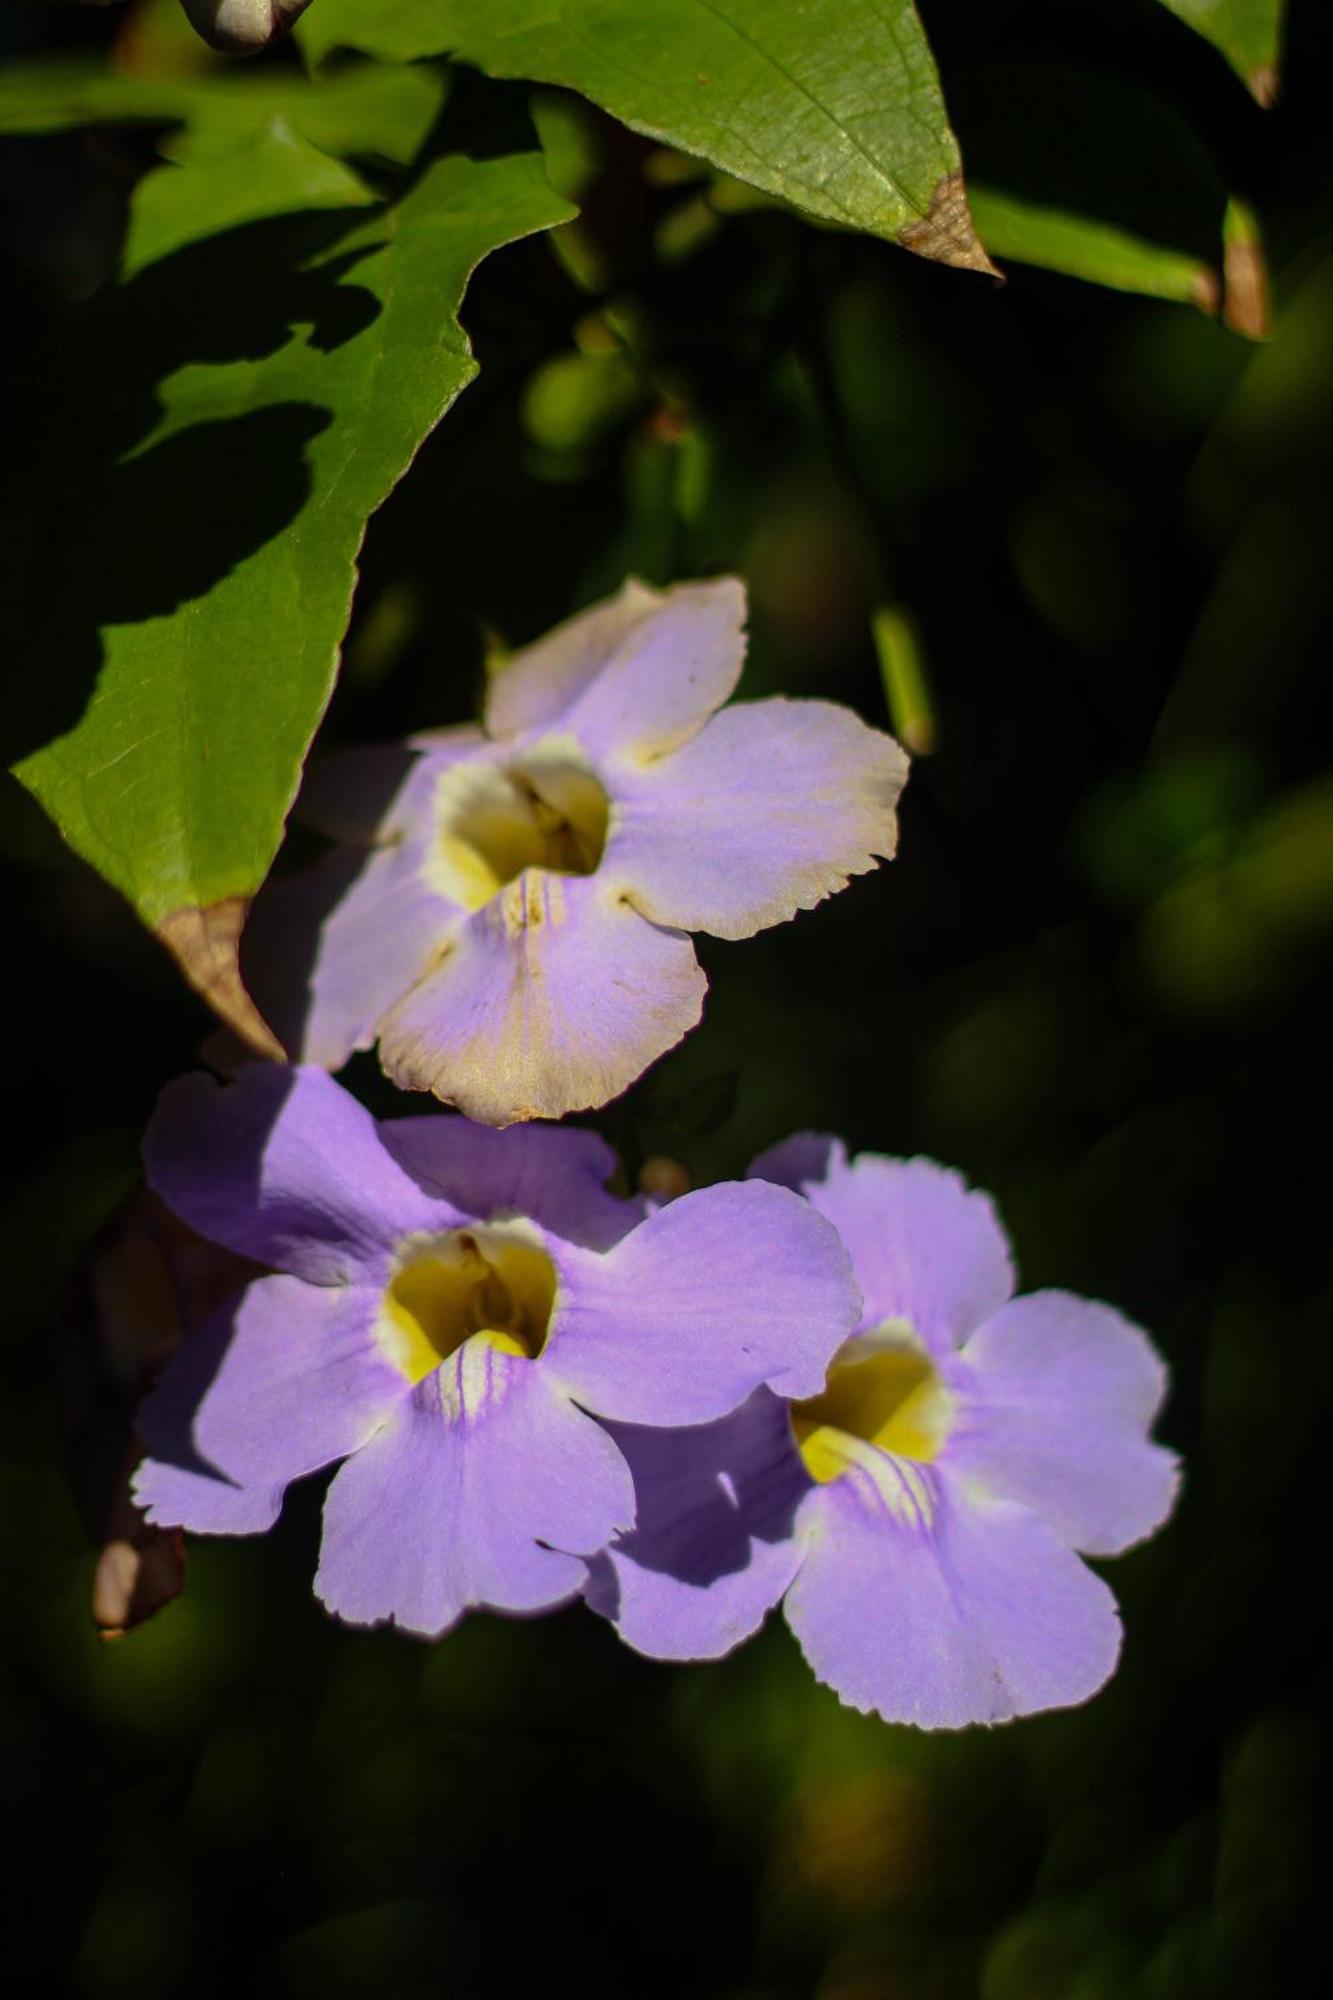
[(1095, 177), (1248, 32), (1027, 232), (184, 552), (365, 109), (835, 108), (276, 174)]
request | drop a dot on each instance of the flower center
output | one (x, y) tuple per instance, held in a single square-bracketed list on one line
[(889, 1396), (474, 1284), (494, 822)]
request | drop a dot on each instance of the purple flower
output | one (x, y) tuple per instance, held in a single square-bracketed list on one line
[(450, 1309), (508, 912), (920, 1515)]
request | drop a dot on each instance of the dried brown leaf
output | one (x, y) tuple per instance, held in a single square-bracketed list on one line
[(947, 232), (206, 946)]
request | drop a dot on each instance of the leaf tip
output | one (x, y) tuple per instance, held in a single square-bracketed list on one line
[(1206, 291), (205, 944), (1265, 85), (1245, 299), (947, 233)]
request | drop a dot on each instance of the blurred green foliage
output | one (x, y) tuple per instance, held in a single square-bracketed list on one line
[(1098, 978)]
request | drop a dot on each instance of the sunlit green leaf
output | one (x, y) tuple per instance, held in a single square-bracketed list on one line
[(275, 174), (184, 550), (836, 108)]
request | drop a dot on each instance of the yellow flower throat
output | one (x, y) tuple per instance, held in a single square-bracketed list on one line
[(889, 1396), (494, 823), (474, 1284)]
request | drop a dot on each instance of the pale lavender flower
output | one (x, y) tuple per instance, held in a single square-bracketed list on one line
[(508, 912), (920, 1515), (450, 1310)]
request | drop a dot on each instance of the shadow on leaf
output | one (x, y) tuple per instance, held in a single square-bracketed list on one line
[(110, 524)]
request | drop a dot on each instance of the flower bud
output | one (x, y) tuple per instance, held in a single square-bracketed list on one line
[(239, 27)]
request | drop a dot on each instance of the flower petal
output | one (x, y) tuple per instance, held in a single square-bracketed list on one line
[(176, 1496), (712, 1549), (553, 998), (1055, 1397), (329, 950), (174, 1485), (556, 1175), (794, 1162), (925, 1247), (663, 663), (283, 1381), (540, 682), (483, 1490), (666, 677), (931, 1606), (723, 1290), (770, 808), (283, 1166)]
